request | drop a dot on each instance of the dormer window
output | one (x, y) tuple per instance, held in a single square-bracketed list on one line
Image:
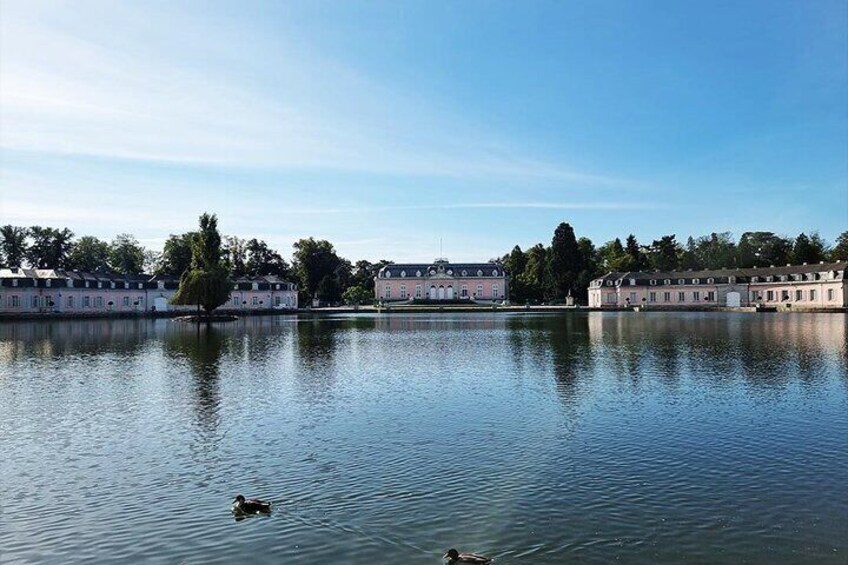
[(464, 273), (99, 284), (609, 283), (667, 281), (769, 278), (388, 274), (417, 273), (731, 280), (47, 282), (403, 274), (653, 282), (755, 279), (696, 281), (450, 272), (140, 286), (495, 273), (710, 281), (479, 273), (277, 287), (681, 281), (632, 282)]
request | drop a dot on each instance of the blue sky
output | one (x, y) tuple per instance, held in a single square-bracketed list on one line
[(387, 126)]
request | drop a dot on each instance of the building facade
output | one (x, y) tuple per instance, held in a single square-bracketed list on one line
[(821, 285), (46, 291), (442, 281)]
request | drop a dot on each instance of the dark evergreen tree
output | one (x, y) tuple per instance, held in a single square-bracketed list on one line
[(565, 262), (664, 253), (840, 250)]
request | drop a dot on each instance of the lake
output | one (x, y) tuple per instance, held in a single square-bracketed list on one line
[(572, 438)]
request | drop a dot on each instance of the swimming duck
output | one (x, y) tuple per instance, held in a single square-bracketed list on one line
[(250, 506), (453, 556)]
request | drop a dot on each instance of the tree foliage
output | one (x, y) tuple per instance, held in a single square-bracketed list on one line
[(840, 250), (126, 255), (206, 283), (176, 254), (49, 247), (13, 245), (89, 254)]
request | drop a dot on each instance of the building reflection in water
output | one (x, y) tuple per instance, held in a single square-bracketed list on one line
[(766, 350)]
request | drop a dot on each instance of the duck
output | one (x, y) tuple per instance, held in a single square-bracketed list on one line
[(250, 506), (453, 556)]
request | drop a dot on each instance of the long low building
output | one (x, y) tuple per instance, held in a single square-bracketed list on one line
[(47, 291), (442, 281), (820, 285)]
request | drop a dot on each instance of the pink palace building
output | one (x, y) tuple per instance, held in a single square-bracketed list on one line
[(798, 287), (53, 291), (442, 280)]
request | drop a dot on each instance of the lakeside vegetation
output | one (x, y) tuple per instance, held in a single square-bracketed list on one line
[(539, 273)]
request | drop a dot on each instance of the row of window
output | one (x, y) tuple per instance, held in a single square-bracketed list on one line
[(799, 295), (667, 282), (709, 296), (237, 301), (14, 301), (440, 292)]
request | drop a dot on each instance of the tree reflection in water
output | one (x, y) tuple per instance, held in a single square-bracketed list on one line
[(202, 348)]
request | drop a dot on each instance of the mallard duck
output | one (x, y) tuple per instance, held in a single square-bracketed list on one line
[(453, 556), (250, 506)]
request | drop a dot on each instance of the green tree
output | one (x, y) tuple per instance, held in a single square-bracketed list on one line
[(535, 276), (565, 261), (357, 294), (664, 253), (316, 263), (13, 245), (235, 254), (126, 255), (612, 257), (762, 249), (808, 249), (176, 254), (49, 248), (840, 250), (636, 259), (515, 264), (262, 260), (89, 254), (207, 283), (589, 269)]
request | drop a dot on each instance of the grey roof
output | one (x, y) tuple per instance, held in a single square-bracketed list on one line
[(395, 269), (742, 275)]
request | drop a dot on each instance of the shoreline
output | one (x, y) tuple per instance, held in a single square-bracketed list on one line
[(400, 310)]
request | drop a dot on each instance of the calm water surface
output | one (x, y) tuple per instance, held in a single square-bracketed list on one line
[(637, 438)]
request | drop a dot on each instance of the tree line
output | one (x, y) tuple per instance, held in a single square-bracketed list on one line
[(568, 264), (541, 273)]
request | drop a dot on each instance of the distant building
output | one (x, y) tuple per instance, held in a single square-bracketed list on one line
[(821, 285), (442, 280), (33, 291)]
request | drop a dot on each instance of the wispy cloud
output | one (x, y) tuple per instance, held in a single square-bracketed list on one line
[(69, 89)]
